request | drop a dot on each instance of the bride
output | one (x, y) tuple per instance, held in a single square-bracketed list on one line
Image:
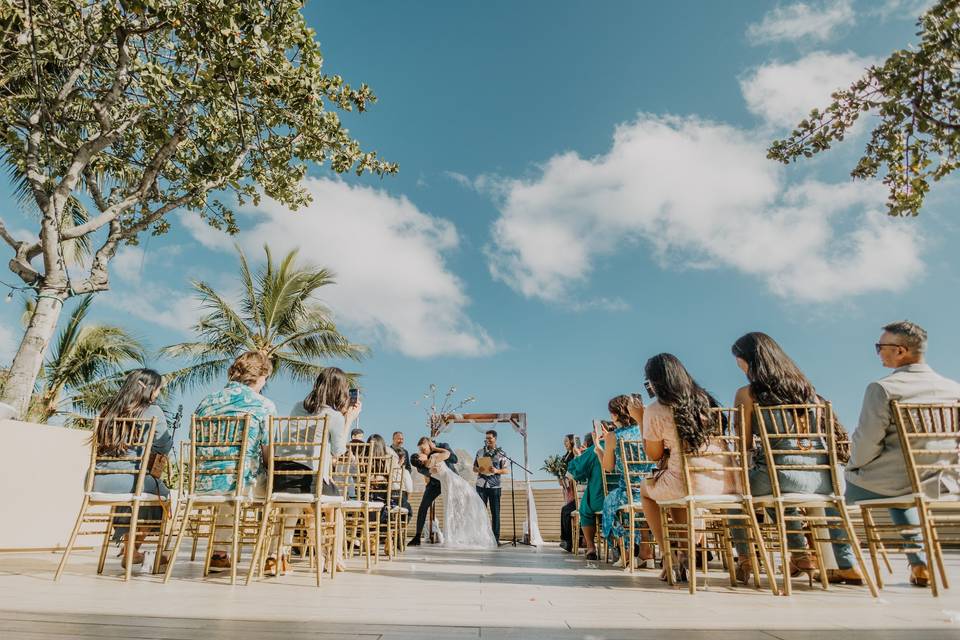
[(466, 524)]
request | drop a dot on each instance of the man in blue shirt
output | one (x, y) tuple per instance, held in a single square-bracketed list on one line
[(488, 482)]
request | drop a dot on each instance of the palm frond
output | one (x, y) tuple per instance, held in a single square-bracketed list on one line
[(197, 375)]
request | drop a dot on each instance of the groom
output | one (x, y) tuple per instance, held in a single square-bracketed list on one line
[(420, 461), (488, 477)]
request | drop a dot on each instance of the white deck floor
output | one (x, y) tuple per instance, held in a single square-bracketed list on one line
[(436, 593)]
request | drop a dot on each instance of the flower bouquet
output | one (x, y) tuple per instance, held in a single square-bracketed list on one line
[(555, 466)]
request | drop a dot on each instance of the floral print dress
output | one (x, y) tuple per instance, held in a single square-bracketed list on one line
[(612, 525)]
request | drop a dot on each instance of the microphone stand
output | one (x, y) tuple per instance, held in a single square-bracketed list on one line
[(513, 499)]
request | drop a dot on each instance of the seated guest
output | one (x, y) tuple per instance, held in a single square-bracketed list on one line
[(404, 457), (568, 487), (877, 468), (247, 376), (379, 449), (625, 428), (357, 436), (775, 379), (586, 468), (676, 422), (136, 399)]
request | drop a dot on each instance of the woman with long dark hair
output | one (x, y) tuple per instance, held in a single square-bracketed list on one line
[(677, 422), (136, 398), (775, 379)]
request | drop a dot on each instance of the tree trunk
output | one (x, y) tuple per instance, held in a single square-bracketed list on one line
[(26, 364)]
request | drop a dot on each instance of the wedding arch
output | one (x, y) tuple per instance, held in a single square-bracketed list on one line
[(518, 421)]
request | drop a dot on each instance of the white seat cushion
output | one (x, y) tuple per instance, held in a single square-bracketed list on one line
[(706, 499), (307, 498), (397, 509), (216, 498), (360, 504), (796, 499), (101, 496), (908, 499)]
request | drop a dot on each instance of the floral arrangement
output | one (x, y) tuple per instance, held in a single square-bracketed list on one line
[(555, 466)]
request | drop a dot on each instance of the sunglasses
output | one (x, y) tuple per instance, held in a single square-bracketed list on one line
[(880, 345)]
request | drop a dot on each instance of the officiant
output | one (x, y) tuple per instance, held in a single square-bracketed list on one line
[(489, 464)]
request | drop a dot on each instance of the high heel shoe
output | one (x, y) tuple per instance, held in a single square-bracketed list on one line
[(744, 571), (273, 568), (803, 563)]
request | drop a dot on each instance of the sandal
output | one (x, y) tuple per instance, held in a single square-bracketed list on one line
[(137, 559), (272, 568), (803, 563), (744, 571)]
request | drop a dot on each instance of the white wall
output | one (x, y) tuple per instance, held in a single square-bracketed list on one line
[(42, 469)]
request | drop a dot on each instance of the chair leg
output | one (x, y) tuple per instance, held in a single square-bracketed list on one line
[(870, 530), (105, 547), (728, 552), (855, 544), (630, 541), (211, 539), (667, 554), (235, 544), (784, 549), (318, 542), (938, 551), (258, 545), (131, 539), (925, 531), (161, 541), (73, 538), (176, 545)]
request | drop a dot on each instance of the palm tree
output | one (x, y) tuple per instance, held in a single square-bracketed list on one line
[(276, 315), (85, 366)]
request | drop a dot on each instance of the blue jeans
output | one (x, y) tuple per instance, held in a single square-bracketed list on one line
[(791, 481), (844, 553)]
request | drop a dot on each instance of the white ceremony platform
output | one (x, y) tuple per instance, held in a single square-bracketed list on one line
[(434, 593)]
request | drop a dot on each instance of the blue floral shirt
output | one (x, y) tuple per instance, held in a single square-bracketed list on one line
[(233, 400)]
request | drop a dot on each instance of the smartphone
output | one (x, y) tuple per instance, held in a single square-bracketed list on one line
[(576, 441), (649, 388), (354, 396)]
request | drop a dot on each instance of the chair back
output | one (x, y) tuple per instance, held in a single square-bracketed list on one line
[(299, 439), (218, 448), (724, 452), (930, 439), (634, 466), (351, 471), (798, 437), (381, 474), (134, 437)]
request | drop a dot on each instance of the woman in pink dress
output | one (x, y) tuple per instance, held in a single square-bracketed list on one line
[(677, 421)]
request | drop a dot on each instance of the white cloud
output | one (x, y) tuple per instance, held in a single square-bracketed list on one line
[(129, 264), (702, 195), (802, 21), (782, 94), (155, 304), (393, 283)]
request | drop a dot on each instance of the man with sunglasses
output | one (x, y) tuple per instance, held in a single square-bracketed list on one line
[(876, 468)]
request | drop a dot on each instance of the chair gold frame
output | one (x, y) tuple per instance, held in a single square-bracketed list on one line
[(726, 452), (633, 463), (930, 442), (793, 430), (136, 436), (303, 440), (352, 470), (207, 435)]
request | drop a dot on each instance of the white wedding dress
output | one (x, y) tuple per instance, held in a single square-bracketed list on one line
[(466, 523)]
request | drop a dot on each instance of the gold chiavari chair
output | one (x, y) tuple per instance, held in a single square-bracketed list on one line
[(724, 454), (135, 436), (399, 515), (635, 468), (930, 441), (801, 437), (352, 475), (575, 531), (382, 491), (302, 441), (218, 449)]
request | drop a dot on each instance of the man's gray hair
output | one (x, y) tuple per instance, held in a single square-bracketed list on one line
[(913, 335)]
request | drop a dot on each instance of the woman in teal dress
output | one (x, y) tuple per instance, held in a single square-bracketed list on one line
[(625, 428)]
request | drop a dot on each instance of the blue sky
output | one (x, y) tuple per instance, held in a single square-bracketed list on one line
[(583, 185)]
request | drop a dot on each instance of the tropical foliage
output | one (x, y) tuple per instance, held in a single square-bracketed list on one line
[(85, 367), (916, 95), (145, 107), (277, 314)]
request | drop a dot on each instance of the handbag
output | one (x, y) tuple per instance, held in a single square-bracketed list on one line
[(157, 464)]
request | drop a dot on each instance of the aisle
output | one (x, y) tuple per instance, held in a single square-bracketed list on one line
[(435, 593)]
